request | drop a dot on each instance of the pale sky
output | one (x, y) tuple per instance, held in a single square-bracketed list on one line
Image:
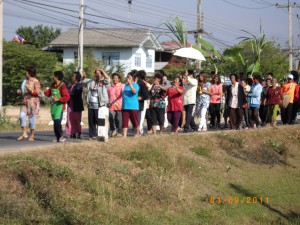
[(223, 20)]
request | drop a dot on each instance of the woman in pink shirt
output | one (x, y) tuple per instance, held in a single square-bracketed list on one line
[(175, 103), (115, 104), (215, 101)]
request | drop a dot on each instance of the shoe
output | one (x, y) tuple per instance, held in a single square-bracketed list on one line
[(61, 139), (92, 138), (204, 129), (114, 133), (31, 138), (54, 140), (22, 137)]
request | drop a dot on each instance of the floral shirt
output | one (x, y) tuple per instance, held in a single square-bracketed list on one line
[(31, 101), (157, 97), (115, 96)]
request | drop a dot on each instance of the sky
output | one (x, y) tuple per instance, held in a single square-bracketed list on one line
[(223, 20)]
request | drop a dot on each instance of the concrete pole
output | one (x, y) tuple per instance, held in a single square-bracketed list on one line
[(80, 47), (1, 52), (290, 38), (199, 28)]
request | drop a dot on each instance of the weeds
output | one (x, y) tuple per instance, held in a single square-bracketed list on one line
[(202, 151)]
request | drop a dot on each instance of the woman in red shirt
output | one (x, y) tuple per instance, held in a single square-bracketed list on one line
[(274, 96), (175, 100)]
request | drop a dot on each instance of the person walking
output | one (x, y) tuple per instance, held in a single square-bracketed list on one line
[(215, 101), (254, 102), (175, 106), (235, 99), (96, 97), (115, 91), (273, 98), (203, 100), (60, 96), (75, 107), (130, 105), (288, 92), (157, 103), (31, 103), (189, 100)]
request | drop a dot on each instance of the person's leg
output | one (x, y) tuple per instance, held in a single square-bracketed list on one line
[(58, 128), (92, 119), (171, 120), (289, 113), (149, 120), (274, 114), (203, 118), (239, 118), (189, 111), (22, 119), (232, 118), (142, 119), (125, 120), (176, 118), (118, 121), (218, 114), (154, 116), (112, 114), (256, 116), (133, 115), (212, 115), (251, 121), (32, 120), (295, 111), (161, 118)]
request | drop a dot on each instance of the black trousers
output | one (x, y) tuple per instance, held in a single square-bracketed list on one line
[(58, 131), (294, 111), (253, 116), (215, 113), (190, 122), (93, 121), (263, 110), (286, 114), (149, 119)]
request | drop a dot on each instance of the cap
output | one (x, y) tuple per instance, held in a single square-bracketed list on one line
[(290, 76)]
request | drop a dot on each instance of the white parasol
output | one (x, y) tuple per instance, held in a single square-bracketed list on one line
[(190, 53)]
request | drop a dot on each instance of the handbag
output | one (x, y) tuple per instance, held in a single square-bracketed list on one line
[(285, 100)]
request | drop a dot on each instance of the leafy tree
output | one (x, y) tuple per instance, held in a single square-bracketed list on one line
[(16, 58), (40, 35), (178, 31)]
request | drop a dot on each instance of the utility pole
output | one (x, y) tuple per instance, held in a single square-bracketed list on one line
[(1, 53), (290, 6), (80, 41), (199, 28), (129, 12)]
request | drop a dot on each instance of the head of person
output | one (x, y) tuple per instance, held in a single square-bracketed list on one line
[(141, 74), (233, 78), (295, 74), (270, 75), (268, 82), (290, 78), (76, 77), (243, 83), (249, 81), (257, 79), (189, 73), (116, 78), (58, 76), (157, 79), (30, 71), (161, 72), (130, 77), (202, 77), (274, 82), (177, 81), (98, 74), (216, 79)]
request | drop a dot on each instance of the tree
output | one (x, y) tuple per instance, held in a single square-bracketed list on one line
[(40, 35), (16, 58), (178, 31)]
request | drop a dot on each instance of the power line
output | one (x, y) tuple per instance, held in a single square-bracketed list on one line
[(245, 7)]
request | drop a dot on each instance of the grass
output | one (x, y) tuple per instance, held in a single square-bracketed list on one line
[(157, 180)]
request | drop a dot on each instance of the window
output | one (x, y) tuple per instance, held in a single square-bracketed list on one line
[(138, 60), (111, 58), (149, 61)]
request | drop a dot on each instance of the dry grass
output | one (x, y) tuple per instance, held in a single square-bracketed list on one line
[(156, 180)]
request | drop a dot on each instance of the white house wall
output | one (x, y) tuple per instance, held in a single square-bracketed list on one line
[(127, 57), (144, 53)]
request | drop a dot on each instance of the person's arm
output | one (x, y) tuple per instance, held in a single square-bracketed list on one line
[(179, 89), (36, 88), (47, 93), (192, 81), (256, 91)]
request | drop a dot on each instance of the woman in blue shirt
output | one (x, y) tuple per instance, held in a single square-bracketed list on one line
[(130, 105)]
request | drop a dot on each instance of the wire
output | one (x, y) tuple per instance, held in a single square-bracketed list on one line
[(244, 7)]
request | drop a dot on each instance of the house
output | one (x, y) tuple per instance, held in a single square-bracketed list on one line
[(132, 48), (164, 59)]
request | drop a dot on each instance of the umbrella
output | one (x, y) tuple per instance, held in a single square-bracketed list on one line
[(190, 53)]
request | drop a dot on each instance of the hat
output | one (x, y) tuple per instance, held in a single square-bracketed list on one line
[(290, 76)]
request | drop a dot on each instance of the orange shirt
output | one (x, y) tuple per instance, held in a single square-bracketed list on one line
[(290, 89)]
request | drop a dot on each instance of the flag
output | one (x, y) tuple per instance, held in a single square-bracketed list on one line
[(19, 39)]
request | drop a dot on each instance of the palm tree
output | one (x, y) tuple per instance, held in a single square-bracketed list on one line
[(178, 31)]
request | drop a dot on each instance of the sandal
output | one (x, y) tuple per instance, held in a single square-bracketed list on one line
[(21, 138), (31, 138)]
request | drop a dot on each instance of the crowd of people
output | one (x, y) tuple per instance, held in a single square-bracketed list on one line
[(248, 103)]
